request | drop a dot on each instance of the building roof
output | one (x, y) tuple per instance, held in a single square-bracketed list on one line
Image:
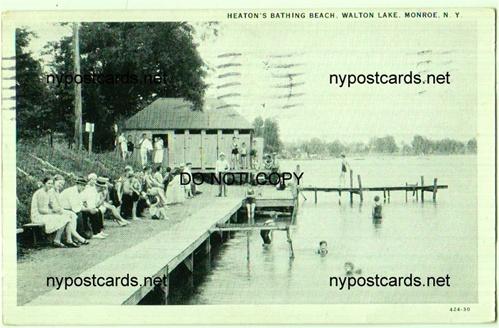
[(177, 113)]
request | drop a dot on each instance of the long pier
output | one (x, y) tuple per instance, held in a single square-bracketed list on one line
[(359, 190), (155, 258)]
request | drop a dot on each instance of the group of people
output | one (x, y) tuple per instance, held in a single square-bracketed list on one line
[(76, 213), (241, 157), (149, 151)]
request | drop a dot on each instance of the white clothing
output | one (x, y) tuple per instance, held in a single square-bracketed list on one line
[(158, 151), (221, 166), (71, 199)]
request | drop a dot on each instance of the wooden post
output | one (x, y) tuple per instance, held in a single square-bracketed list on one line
[(384, 195), (435, 189), (415, 192), (351, 186), (78, 133), (90, 138), (164, 288), (388, 196), (422, 189), (288, 235), (406, 184), (248, 245), (360, 188), (316, 195), (189, 263)]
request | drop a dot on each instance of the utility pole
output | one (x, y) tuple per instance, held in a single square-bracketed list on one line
[(78, 133)]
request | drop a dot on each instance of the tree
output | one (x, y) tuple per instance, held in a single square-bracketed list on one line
[(258, 126), (471, 146), (162, 56), (272, 141), (33, 114), (385, 144)]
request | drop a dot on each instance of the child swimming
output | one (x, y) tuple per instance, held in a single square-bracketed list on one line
[(377, 208), (322, 250)]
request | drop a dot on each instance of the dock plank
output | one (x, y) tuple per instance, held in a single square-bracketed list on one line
[(153, 257)]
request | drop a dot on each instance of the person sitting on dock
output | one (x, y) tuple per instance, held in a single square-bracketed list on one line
[(130, 195), (377, 208), (250, 202), (221, 166), (41, 212), (107, 202), (90, 200), (322, 251)]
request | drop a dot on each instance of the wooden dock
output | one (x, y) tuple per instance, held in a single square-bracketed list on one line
[(155, 257), (359, 190)]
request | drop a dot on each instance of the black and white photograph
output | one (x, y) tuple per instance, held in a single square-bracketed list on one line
[(256, 159)]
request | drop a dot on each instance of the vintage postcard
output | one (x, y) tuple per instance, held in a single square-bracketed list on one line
[(257, 166)]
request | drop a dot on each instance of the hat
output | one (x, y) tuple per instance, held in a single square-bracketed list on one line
[(81, 181), (221, 154), (92, 176), (102, 182), (128, 168)]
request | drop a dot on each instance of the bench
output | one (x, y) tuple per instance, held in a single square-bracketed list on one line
[(35, 230)]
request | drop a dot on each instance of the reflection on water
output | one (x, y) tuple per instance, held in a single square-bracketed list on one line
[(430, 239)]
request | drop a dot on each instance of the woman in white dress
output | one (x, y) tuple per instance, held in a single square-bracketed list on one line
[(175, 192), (122, 143), (41, 212), (56, 205), (158, 150)]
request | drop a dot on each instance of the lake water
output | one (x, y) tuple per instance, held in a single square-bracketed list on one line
[(430, 239)]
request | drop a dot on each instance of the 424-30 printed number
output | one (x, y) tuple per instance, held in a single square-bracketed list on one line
[(460, 309)]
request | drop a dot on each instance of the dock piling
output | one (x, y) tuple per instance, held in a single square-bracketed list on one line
[(315, 195), (360, 188), (248, 245), (351, 187), (422, 190), (292, 252), (435, 188), (406, 184)]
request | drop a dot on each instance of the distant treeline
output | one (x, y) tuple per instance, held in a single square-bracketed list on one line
[(419, 145)]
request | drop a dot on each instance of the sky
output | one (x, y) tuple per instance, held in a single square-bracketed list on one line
[(264, 54)]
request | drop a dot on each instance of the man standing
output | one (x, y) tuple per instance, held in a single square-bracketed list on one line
[(221, 167), (71, 200), (345, 167), (122, 144), (130, 147), (145, 146)]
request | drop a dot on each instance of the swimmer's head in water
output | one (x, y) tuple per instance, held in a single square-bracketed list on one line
[(376, 198), (349, 266), (323, 243)]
